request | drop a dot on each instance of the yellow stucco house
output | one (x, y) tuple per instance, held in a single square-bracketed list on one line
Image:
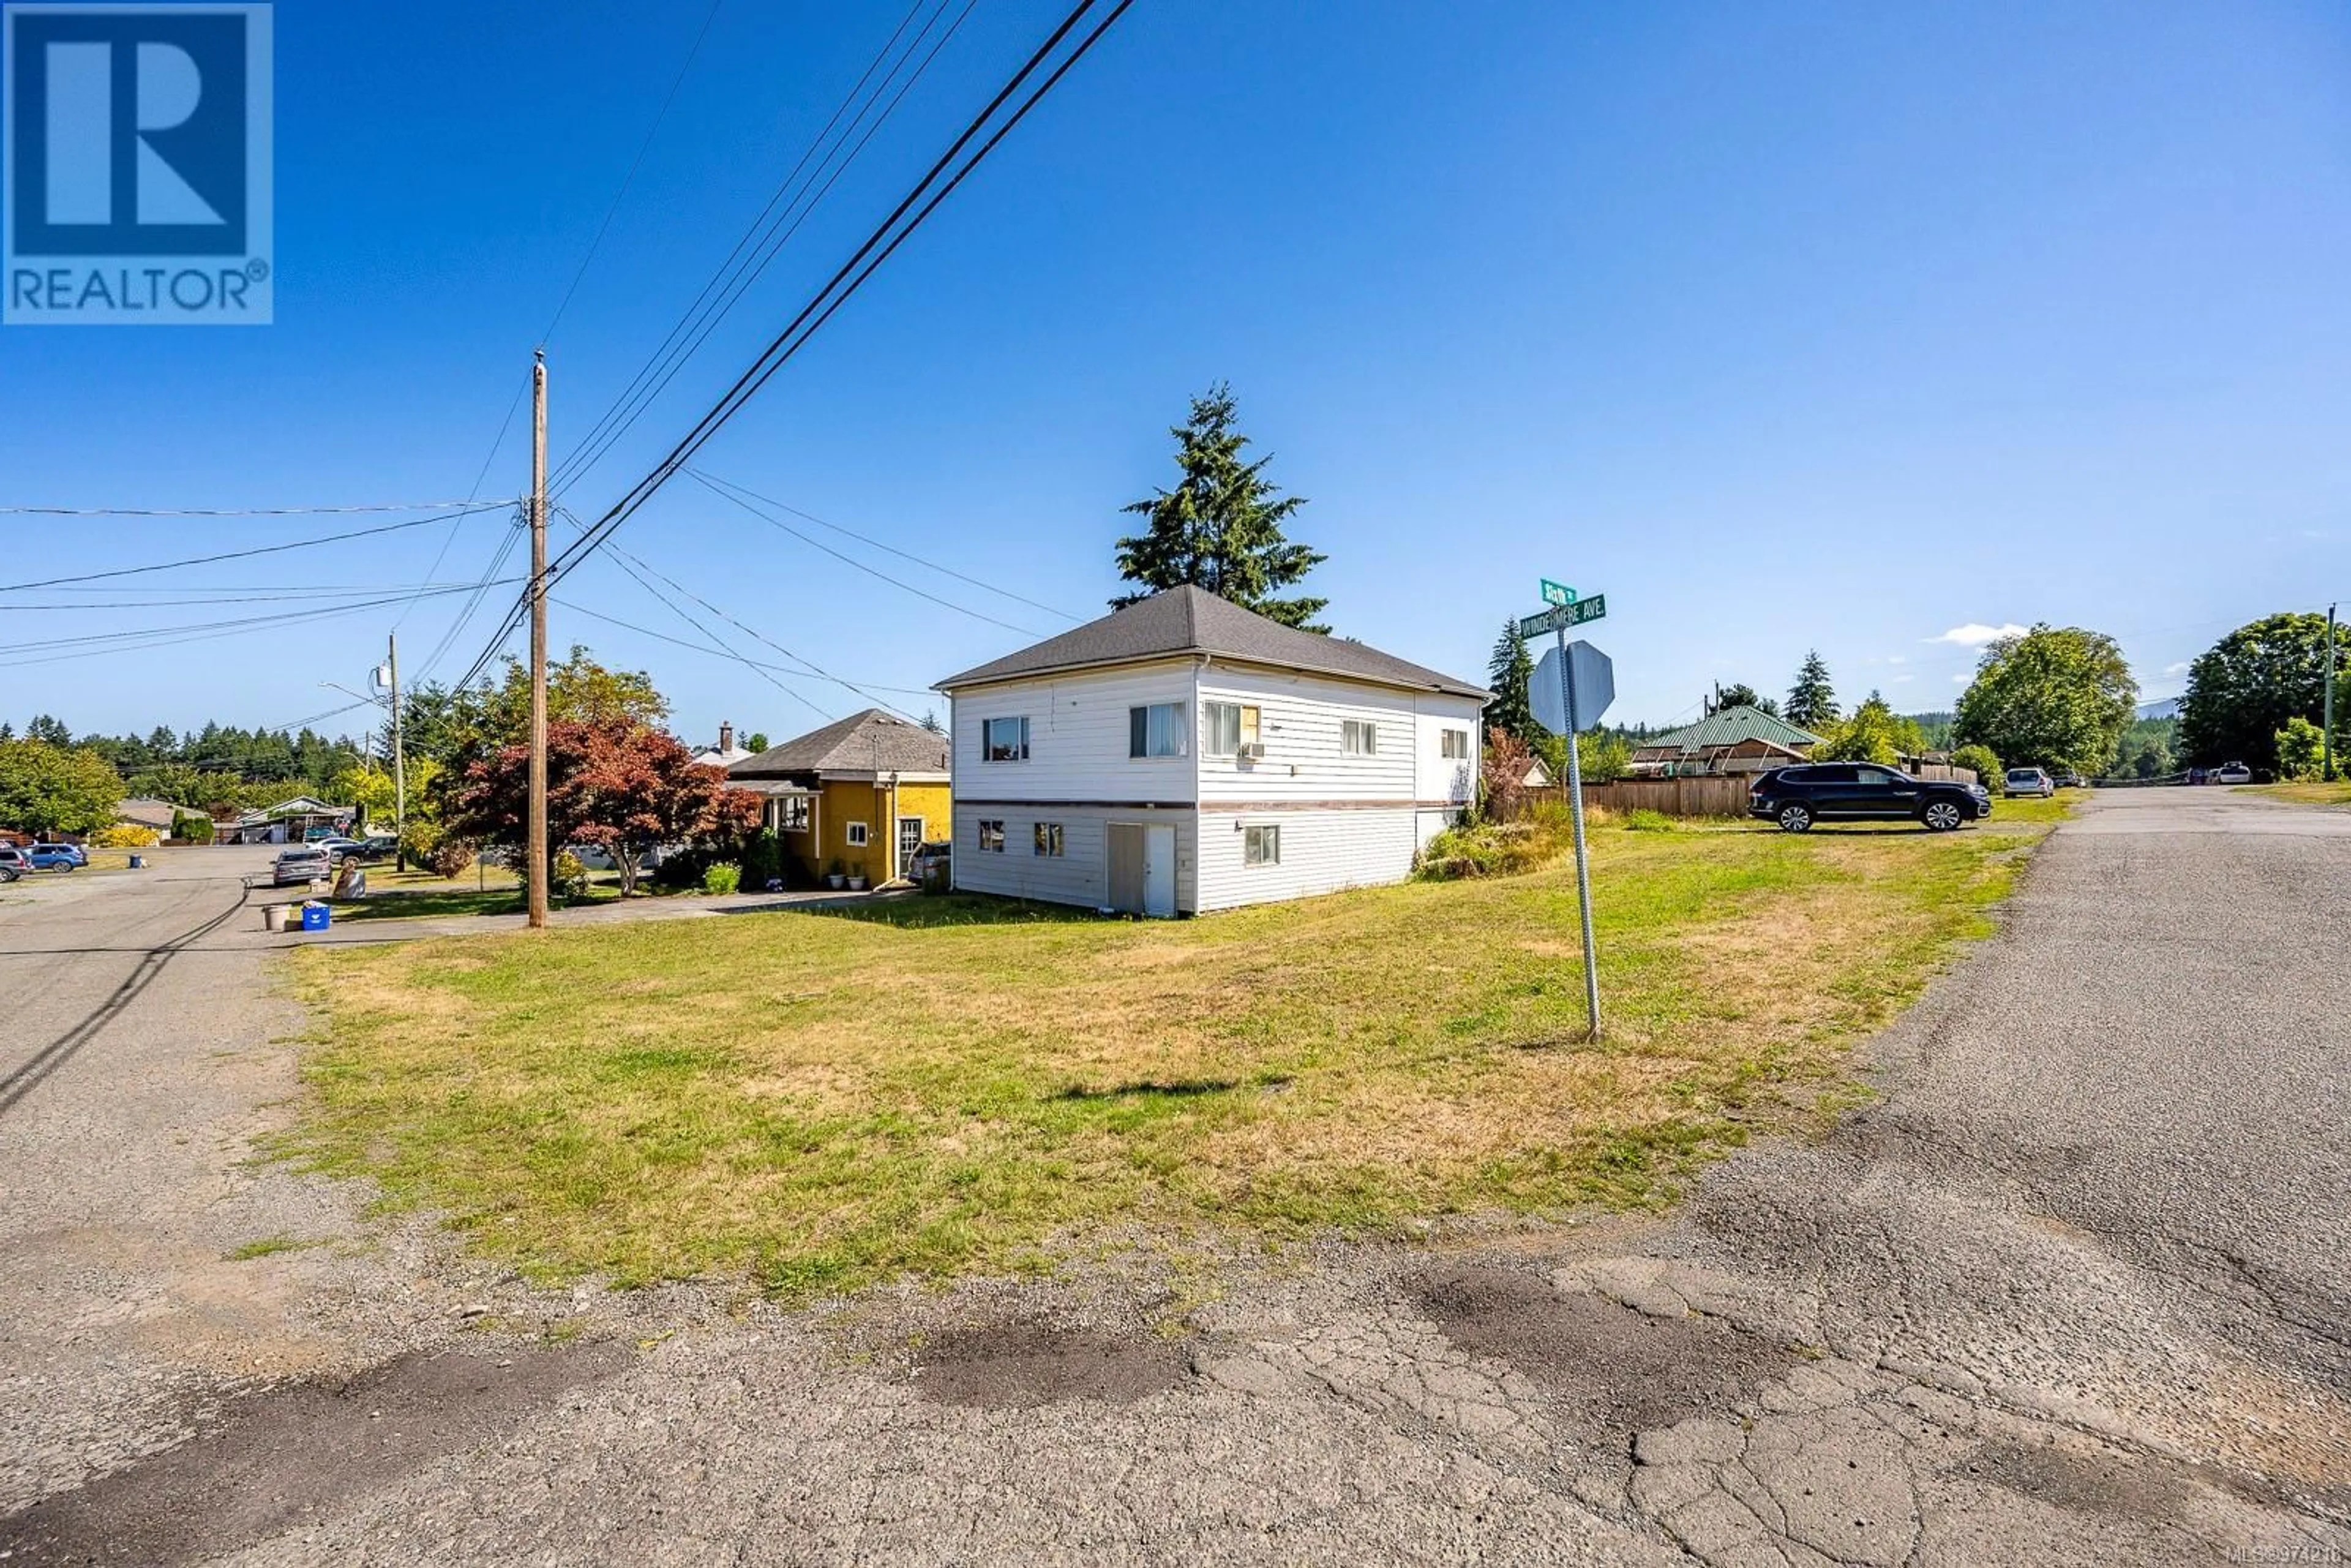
[(862, 792)]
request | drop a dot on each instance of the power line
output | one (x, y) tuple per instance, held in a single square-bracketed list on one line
[(851, 561), (99, 644), (472, 605), (838, 290), (133, 633), (579, 609), (634, 566), (235, 511), (240, 554), (704, 313), (879, 247), (421, 591), (709, 478), (638, 162)]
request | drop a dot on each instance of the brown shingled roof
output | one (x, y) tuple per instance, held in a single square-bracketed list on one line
[(867, 742)]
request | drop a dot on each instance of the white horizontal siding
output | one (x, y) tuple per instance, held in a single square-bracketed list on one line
[(1439, 776), (1301, 729), (1077, 737), (1080, 874), (1322, 852)]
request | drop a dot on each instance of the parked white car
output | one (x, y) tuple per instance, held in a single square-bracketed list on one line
[(2029, 782), (2234, 773)]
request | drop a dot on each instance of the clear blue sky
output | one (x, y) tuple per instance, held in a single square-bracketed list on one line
[(1827, 325)]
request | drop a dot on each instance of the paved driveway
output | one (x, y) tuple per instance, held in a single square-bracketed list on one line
[(2073, 1290)]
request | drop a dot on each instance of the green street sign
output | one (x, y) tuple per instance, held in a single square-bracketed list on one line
[(1560, 617), (1557, 592)]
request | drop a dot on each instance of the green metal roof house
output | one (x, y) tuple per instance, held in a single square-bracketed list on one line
[(1739, 739)]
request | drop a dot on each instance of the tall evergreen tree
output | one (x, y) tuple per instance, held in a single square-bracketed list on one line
[(1220, 527), (1811, 701), (1508, 673)]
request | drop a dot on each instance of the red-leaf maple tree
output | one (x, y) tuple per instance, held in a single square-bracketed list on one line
[(614, 782)]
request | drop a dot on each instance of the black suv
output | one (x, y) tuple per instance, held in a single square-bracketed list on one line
[(1796, 798)]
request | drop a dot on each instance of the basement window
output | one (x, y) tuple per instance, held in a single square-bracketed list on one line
[(1261, 846), (1048, 838), (991, 835)]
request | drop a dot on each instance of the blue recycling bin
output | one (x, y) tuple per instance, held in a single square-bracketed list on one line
[(316, 916)]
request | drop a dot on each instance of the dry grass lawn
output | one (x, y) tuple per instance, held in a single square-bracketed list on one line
[(929, 1086), (2337, 793)]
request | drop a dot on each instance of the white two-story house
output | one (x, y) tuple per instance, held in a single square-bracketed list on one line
[(1185, 755)]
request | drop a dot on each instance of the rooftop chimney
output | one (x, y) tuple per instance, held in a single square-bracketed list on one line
[(725, 737)]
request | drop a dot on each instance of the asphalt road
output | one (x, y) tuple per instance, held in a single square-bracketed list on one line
[(2073, 1290)]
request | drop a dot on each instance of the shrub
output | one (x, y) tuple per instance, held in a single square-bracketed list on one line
[(763, 859), (724, 877), (2300, 750), (1980, 758), (124, 836), (419, 840), (1643, 821), (450, 857), (1501, 849), (571, 878), (190, 828)]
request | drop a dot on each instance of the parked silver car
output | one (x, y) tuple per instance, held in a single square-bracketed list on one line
[(305, 864)]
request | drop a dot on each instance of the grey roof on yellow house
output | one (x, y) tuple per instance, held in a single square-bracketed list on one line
[(1189, 619), (867, 742)]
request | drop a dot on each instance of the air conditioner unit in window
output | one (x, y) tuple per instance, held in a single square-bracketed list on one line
[(1250, 750)]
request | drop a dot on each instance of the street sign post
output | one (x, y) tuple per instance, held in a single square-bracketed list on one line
[(1570, 677), (1560, 617)]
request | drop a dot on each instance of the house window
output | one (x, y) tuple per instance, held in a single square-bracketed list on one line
[(1048, 838), (1158, 730), (1360, 738), (1453, 743), (1230, 725), (792, 813), (1004, 740), (1261, 846), (991, 834), (857, 835)]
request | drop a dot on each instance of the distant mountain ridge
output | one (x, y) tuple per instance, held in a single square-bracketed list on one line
[(2168, 709)]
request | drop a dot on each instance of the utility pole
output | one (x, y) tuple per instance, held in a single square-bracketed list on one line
[(2326, 732), (535, 859), (399, 758)]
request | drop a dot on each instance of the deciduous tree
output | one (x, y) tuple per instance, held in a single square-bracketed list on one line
[(1221, 527), (2055, 697), (611, 781), (46, 789), (2244, 689)]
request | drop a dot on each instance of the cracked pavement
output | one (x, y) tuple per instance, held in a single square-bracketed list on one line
[(2072, 1291)]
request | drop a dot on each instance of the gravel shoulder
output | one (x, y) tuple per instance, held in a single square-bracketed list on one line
[(2072, 1291)]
